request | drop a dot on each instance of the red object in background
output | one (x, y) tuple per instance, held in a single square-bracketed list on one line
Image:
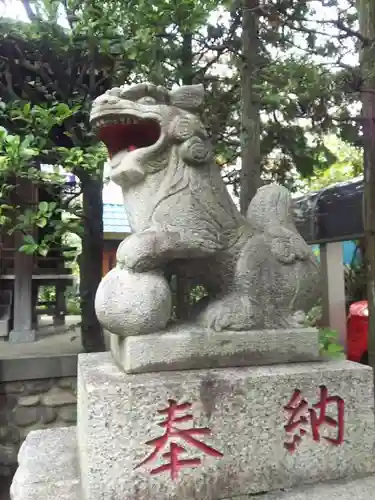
[(357, 332)]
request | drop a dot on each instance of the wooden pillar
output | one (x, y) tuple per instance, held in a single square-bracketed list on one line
[(22, 311), (105, 262), (23, 330), (334, 308), (34, 304), (59, 316), (366, 16)]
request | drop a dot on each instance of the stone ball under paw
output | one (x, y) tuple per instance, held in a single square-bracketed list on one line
[(129, 303)]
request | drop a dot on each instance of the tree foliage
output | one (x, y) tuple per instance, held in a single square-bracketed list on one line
[(303, 88)]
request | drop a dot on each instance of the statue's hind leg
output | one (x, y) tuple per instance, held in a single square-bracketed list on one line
[(235, 311), (261, 296)]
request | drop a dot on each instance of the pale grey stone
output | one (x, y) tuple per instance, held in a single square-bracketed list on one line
[(243, 408), (18, 336), (38, 386), (68, 413), (67, 383), (129, 303), (35, 456), (258, 271), (46, 415), (193, 348), (27, 415), (29, 400), (4, 327), (11, 387), (58, 397), (358, 489), (48, 466), (7, 402), (60, 490)]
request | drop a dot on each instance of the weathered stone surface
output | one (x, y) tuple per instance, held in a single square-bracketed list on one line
[(243, 408), (22, 411), (131, 303), (192, 348), (27, 486), (257, 269), (38, 386), (8, 401), (9, 434), (37, 450), (48, 467), (8, 454), (359, 489), (67, 383), (11, 387), (24, 416), (46, 415), (68, 413), (29, 400), (61, 490), (58, 397)]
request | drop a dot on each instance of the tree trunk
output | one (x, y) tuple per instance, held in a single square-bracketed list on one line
[(91, 262), (250, 126), (181, 287), (366, 9), (187, 59)]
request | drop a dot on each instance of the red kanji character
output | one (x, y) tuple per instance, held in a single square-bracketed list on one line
[(175, 463), (301, 414), (317, 421), (299, 411)]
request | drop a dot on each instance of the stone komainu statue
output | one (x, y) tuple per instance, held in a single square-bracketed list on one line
[(258, 271)]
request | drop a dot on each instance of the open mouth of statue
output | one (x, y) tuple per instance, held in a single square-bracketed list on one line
[(127, 134)]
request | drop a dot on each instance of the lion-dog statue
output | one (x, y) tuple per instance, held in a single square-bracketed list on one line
[(257, 270)]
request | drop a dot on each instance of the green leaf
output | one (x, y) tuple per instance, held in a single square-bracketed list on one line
[(41, 222), (334, 348), (42, 250), (43, 207), (28, 249), (26, 109), (29, 240)]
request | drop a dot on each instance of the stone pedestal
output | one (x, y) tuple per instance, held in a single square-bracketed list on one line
[(59, 481), (243, 414), (194, 347), (233, 433)]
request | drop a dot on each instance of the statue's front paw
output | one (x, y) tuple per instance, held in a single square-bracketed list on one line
[(136, 252)]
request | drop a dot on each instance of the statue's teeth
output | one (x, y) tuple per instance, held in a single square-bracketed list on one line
[(127, 120)]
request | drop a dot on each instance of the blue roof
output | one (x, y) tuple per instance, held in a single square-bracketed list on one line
[(115, 219)]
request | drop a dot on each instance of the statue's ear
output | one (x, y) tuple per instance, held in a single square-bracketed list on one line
[(188, 97)]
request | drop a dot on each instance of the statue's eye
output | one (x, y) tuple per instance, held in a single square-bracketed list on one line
[(147, 100)]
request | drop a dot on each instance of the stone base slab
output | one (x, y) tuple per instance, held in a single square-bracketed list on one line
[(191, 348), (48, 466), (56, 485), (242, 419)]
